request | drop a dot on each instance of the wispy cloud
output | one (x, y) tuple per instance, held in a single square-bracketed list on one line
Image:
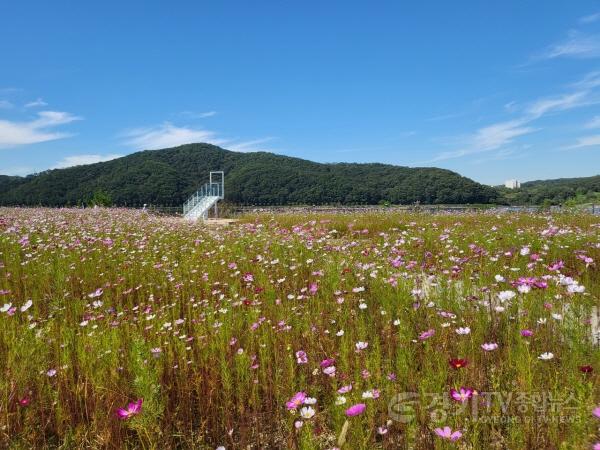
[(590, 19), (502, 155), (577, 45), (36, 103), (5, 104), (586, 141), (248, 146), (169, 135), (197, 115), (496, 136), (593, 123), (560, 103), (13, 133), (590, 80), (80, 160), (489, 138)]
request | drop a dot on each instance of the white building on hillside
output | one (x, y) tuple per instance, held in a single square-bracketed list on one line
[(512, 184)]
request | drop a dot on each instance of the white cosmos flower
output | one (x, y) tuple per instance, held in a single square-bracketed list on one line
[(307, 412), (361, 345), (463, 330), (340, 333), (524, 289), (546, 356), (310, 401), (499, 278), (575, 288), (340, 400), (506, 295), (26, 306), (6, 307)]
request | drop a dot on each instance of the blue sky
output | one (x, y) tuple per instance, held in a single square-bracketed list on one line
[(492, 90)]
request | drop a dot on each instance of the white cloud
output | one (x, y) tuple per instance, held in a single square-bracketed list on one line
[(577, 45), (593, 123), (80, 160), (36, 103), (247, 146), (489, 138), (14, 133), (589, 81), (544, 106), (586, 141), (590, 19), (5, 104), (168, 135), (198, 115)]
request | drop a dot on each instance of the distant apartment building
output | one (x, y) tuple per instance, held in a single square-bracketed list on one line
[(512, 184)]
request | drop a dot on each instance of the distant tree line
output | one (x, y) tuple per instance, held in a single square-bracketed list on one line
[(562, 191)]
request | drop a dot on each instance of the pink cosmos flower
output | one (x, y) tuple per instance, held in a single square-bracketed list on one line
[(313, 288), (356, 410), (426, 334), (345, 389), (596, 412), (556, 266), (131, 410), (330, 370), (462, 395), (301, 357), (296, 400), (526, 333), (248, 277), (447, 433), (596, 446)]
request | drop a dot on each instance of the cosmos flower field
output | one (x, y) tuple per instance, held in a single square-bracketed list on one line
[(119, 329)]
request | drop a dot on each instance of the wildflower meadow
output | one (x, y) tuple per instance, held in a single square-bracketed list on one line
[(120, 329)]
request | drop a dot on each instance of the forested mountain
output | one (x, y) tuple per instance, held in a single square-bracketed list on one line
[(167, 177), (554, 192)]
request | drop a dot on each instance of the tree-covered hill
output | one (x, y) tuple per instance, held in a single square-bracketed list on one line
[(554, 192), (167, 177)]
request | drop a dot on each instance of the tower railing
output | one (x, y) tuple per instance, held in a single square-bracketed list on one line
[(210, 191)]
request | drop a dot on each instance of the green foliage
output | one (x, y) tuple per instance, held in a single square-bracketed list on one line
[(100, 198), (562, 191), (168, 177)]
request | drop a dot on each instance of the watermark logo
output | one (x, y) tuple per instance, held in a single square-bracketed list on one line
[(486, 407)]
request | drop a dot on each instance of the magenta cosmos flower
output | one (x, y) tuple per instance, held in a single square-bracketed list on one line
[(447, 433), (356, 410), (462, 395), (296, 400), (526, 333), (131, 410), (426, 334)]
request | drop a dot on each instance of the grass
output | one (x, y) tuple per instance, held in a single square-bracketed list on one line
[(205, 326)]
